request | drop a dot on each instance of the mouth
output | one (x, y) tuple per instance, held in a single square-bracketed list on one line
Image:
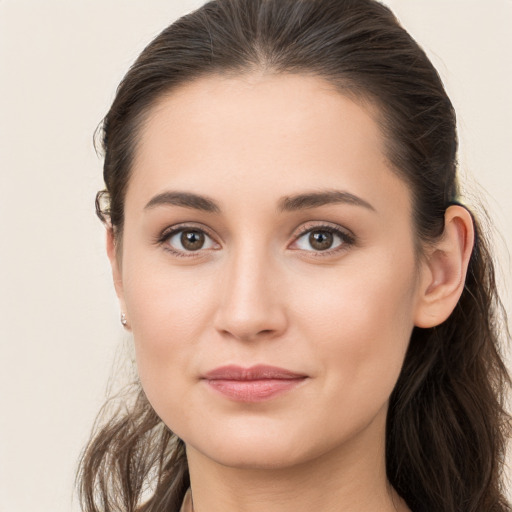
[(255, 384)]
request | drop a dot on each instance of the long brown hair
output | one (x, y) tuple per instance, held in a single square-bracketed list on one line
[(447, 428)]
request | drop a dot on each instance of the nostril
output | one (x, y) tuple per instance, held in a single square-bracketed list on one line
[(250, 333)]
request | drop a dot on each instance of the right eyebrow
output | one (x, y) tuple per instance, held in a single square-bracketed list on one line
[(184, 199)]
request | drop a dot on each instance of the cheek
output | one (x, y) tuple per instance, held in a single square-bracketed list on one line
[(361, 321), (168, 312)]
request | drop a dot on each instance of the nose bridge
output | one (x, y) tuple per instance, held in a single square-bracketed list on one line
[(250, 304)]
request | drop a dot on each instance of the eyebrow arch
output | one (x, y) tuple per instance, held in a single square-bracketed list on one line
[(321, 198), (185, 199), (286, 204)]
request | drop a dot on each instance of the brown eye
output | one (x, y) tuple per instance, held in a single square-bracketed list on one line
[(192, 240), (182, 241), (321, 240)]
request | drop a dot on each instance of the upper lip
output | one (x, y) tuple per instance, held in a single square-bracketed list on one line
[(257, 372)]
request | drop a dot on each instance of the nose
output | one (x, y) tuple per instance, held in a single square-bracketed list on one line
[(252, 298)]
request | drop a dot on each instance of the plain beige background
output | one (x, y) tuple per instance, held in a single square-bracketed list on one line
[(60, 62)]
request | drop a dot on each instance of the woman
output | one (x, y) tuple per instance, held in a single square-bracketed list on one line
[(314, 312)]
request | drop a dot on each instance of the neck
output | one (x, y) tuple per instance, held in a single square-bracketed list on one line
[(351, 478)]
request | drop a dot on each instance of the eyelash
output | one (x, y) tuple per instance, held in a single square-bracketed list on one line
[(346, 237), (170, 232)]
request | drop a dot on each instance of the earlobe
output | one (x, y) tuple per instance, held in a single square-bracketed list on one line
[(444, 270)]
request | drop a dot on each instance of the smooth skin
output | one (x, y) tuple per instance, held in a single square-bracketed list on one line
[(263, 277)]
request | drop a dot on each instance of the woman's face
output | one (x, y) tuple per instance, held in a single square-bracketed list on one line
[(264, 227)]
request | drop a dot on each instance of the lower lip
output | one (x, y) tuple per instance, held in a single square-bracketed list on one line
[(254, 390)]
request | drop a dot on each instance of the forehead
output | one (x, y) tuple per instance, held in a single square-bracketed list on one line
[(260, 137)]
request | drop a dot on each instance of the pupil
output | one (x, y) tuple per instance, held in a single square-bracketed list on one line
[(192, 240), (320, 240)]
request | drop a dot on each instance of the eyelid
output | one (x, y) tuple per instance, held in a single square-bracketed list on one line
[(347, 237), (170, 231), (312, 225)]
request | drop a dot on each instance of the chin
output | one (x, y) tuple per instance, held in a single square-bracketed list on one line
[(255, 458), (249, 449)]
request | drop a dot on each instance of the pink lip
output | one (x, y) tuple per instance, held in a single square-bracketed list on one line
[(254, 384)]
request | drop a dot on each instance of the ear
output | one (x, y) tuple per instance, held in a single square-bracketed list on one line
[(114, 258), (444, 269)]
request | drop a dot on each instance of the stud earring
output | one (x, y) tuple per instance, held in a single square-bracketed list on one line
[(123, 320)]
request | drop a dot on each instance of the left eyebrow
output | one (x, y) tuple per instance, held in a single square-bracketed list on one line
[(316, 199)]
